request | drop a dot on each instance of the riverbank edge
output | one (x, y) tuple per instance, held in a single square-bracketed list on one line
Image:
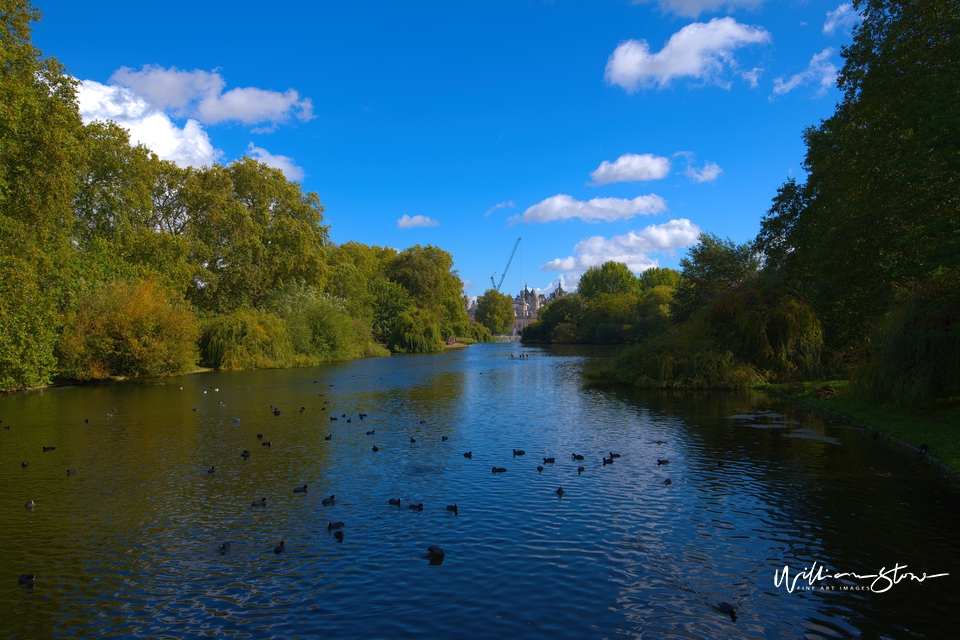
[(852, 422)]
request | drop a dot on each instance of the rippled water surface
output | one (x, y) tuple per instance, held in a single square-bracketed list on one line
[(128, 545)]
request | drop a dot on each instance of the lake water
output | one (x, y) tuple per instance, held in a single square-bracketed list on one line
[(128, 545)]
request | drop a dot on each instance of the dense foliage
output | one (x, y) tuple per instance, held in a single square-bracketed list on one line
[(495, 311), (114, 262)]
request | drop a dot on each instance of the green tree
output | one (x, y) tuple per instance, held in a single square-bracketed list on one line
[(389, 301), (610, 277), (427, 273), (659, 277), (40, 143), (416, 331), (710, 268), (495, 311)]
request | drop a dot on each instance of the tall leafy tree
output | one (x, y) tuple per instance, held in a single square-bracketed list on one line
[(495, 311), (710, 268), (610, 277), (40, 142), (427, 273)]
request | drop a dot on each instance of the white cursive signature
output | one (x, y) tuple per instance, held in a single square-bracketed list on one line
[(882, 581)]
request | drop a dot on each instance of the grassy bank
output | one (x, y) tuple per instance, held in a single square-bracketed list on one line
[(937, 426)]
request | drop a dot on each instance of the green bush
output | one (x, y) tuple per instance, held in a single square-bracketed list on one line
[(124, 329), (28, 326)]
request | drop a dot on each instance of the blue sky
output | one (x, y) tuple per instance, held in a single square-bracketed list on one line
[(596, 130)]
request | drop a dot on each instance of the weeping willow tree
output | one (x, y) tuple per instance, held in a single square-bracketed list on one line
[(247, 339), (769, 327), (915, 357), (416, 331)]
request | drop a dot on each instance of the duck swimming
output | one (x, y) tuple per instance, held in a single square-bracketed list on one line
[(339, 536), (660, 462), (499, 469), (224, 547), (30, 504), (549, 460), (468, 455), (577, 456), (328, 438), (262, 502), (668, 482), (560, 491), (27, 579), (329, 501), (302, 489), (519, 452), (212, 469), (443, 438), (416, 507), (334, 525), (580, 469), (45, 449), (376, 448), (395, 501), (246, 454), (540, 468), (454, 508), (280, 548)]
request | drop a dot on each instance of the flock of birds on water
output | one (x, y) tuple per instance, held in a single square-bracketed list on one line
[(434, 554)]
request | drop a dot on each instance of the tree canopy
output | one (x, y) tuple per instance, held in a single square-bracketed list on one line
[(495, 311)]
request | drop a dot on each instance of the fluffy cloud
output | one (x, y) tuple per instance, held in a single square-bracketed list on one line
[(820, 71), (284, 163), (633, 248), (699, 50), (631, 167), (708, 173), (407, 222), (843, 17), (187, 146), (500, 205), (693, 8), (200, 94), (564, 207)]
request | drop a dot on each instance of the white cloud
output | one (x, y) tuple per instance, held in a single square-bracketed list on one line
[(200, 94), (752, 77), (699, 50), (467, 285), (187, 146), (500, 205), (710, 172), (407, 222), (633, 248), (284, 163), (631, 167), (564, 207), (693, 8), (843, 17), (820, 71)]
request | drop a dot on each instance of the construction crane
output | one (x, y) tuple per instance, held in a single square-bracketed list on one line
[(512, 253)]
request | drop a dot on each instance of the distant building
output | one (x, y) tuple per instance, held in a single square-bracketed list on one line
[(526, 306), (471, 306)]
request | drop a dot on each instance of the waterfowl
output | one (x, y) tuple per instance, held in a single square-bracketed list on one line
[(607, 461), (549, 460), (349, 420), (376, 448), (329, 501), (48, 449), (193, 409), (236, 421), (280, 548), (246, 454), (443, 438), (371, 432), (266, 444), (27, 579), (224, 547), (302, 489), (668, 482), (614, 455), (923, 450), (560, 491), (328, 438), (30, 504), (262, 502), (499, 469), (727, 609), (577, 456), (416, 507), (454, 508), (540, 468), (519, 452), (302, 409), (212, 469), (339, 536), (468, 455), (362, 415), (580, 469), (87, 421), (343, 415), (334, 525), (395, 501), (434, 552), (24, 464), (719, 463), (259, 436), (660, 462), (276, 412), (332, 418), (423, 422), (70, 472), (413, 439)]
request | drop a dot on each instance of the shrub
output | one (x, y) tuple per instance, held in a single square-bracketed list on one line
[(247, 339), (128, 329), (416, 331)]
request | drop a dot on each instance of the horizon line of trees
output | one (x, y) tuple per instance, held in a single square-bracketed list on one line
[(855, 272), (114, 262)]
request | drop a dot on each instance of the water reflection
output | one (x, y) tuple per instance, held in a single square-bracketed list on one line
[(130, 544)]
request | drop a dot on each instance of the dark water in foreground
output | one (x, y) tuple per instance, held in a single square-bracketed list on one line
[(127, 546)]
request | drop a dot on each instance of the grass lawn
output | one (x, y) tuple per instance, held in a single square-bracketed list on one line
[(937, 426)]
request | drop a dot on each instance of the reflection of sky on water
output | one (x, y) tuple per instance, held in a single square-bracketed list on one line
[(129, 543)]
